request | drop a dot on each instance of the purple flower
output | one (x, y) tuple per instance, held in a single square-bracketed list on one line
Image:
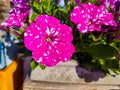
[(18, 11), (117, 4), (49, 41), (17, 17), (18, 14), (89, 17), (108, 3), (22, 2), (76, 1)]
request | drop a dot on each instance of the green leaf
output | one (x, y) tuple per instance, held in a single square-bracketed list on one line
[(20, 30), (42, 67), (117, 72), (33, 64), (101, 51), (34, 16), (63, 10), (93, 1)]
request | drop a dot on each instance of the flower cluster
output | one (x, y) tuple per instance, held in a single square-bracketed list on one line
[(58, 30), (18, 14), (109, 3), (90, 18)]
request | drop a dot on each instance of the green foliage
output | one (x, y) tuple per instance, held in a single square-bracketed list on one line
[(33, 65), (93, 1), (42, 67), (34, 16), (101, 51), (42, 7)]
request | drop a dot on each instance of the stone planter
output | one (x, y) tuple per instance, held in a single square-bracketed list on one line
[(68, 76), (12, 76)]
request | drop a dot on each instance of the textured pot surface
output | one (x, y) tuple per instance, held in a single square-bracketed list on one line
[(40, 85), (69, 73)]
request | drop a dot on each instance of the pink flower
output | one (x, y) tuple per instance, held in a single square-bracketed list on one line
[(18, 14), (109, 3), (49, 41), (89, 17), (17, 17)]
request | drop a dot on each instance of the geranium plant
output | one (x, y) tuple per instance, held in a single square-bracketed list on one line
[(54, 31)]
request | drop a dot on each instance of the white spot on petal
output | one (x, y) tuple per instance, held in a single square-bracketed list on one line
[(37, 36), (65, 59), (56, 33), (97, 16), (84, 31), (83, 16), (88, 10), (38, 28), (40, 60), (11, 18), (48, 52), (94, 20), (74, 14), (45, 54), (54, 60), (50, 47), (57, 51), (38, 46), (79, 25), (48, 31), (31, 34), (25, 34), (100, 15), (82, 11), (91, 9), (98, 10), (46, 20), (103, 12)]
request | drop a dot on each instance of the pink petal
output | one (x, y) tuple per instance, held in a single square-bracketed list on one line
[(65, 33), (77, 15), (83, 26)]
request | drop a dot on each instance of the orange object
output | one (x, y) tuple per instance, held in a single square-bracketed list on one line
[(7, 3), (12, 76)]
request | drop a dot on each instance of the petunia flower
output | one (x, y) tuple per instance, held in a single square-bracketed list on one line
[(17, 17), (89, 17), (49, 40), (117, 4), (18, 14), (22, 2), (109, 3)]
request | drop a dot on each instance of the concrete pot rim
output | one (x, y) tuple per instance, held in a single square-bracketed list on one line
[(66, 73)]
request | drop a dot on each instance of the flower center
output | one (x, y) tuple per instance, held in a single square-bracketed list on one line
[(89, 22), (48, 39)]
